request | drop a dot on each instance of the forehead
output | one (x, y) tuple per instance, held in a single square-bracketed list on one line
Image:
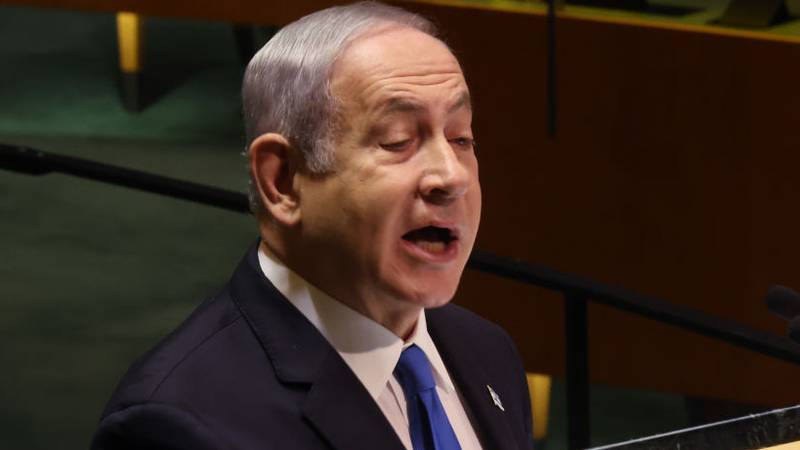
[(393, 61)]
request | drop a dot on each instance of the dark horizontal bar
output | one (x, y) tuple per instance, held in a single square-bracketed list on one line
[(36, 162), (659, 310)]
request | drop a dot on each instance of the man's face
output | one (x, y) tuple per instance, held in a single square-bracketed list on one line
[(391, 227)]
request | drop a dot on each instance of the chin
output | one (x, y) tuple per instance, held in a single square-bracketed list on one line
[(432, 295), (438, 303), (421, 287)]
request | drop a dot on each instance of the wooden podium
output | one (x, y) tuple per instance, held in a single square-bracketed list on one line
[(790, 446)]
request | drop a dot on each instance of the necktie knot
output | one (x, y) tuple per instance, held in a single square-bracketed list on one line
[(413, 370)]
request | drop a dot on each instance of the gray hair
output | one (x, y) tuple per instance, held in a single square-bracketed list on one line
[(286, 87)]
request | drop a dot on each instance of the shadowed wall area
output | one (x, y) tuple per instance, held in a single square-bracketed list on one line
[(94, 275)]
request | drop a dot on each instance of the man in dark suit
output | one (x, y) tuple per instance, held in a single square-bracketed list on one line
[(334, 331)]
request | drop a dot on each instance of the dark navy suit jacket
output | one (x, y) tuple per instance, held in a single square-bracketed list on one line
[(247, 371)]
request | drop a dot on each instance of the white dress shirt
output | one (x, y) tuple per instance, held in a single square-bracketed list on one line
[(371, 351)]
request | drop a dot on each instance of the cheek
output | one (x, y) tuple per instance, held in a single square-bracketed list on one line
[(474, 203), (385, 196), (331, 215), (478, 206), (376, 208)]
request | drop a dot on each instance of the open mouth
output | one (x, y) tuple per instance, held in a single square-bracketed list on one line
[(431, 239)]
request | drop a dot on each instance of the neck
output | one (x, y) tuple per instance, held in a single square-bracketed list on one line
[(396, 316), (402, 325)]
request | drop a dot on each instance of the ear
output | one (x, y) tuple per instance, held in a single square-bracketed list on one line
[(274, 167)]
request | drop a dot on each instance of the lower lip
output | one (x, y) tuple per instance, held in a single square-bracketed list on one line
[(449, 254)]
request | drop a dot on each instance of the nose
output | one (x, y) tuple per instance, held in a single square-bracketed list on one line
[(445, 176)]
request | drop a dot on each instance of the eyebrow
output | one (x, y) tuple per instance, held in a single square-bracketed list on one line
[(464, 100), (399, 104), (396, 104)]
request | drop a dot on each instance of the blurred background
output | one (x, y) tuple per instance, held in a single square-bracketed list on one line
[(665, 163)]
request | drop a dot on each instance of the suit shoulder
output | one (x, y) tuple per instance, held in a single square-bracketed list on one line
[(209, 320), (154, 426)]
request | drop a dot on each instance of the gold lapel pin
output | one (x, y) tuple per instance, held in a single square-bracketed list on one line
[(495, 398)]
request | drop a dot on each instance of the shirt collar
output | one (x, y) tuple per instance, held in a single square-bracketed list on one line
[(370, 350)]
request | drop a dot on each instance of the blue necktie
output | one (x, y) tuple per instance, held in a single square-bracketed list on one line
[(428, 424)]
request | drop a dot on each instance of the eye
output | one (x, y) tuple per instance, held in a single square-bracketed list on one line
[(396, 146), (463, 142)]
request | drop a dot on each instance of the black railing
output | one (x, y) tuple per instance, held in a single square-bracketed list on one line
[(577, 291)]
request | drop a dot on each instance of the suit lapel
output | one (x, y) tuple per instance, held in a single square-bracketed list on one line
[(472, 380), (341, 409), (337, 405)]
